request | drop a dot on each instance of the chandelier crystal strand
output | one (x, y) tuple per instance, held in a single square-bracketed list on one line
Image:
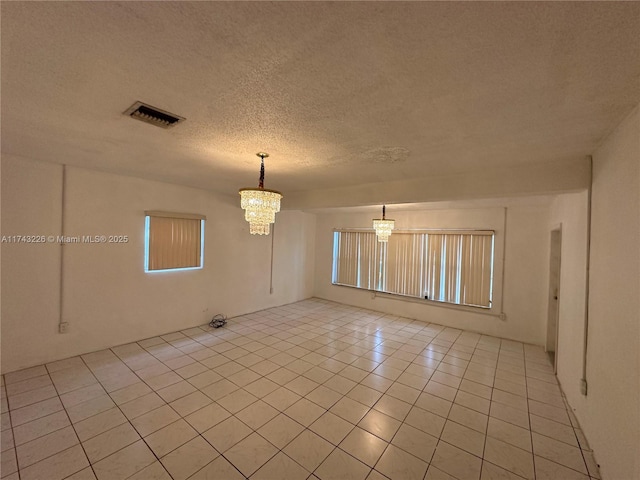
[(260, 205), (383, 226)]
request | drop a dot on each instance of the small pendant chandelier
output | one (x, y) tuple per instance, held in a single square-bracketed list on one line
[(260, 204), (383, 226)]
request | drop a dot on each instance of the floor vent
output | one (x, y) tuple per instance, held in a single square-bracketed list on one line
[(154, 116)]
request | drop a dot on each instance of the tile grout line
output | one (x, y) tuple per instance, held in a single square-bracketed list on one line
[(533, 450), (446, 419), (486, 433)]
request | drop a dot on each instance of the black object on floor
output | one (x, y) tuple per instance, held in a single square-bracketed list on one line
[(218, 321)]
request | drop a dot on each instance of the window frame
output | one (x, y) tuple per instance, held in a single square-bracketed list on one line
[(495, 274), (147, 224)]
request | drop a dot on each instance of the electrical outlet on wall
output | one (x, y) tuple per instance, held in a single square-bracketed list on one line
[(63, 327)]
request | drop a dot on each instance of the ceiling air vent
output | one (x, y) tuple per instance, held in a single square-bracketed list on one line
[(154, 116)]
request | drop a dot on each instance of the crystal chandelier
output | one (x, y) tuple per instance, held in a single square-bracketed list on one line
[(383, 226), (260, 204)]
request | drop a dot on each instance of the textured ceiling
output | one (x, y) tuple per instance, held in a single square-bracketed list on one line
[(339, 94)]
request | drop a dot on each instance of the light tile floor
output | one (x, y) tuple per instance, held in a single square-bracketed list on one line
[(311, 390)]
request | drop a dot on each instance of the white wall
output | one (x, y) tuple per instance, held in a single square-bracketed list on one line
[(569, 211), (108, 299), (543, 178), (610, 414), (526, 268)]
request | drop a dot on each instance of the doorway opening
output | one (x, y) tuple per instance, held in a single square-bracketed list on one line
[(555, 252)]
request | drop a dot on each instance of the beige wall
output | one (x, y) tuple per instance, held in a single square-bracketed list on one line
[(108, 299), (526, 268), (570, 213), (611, 413), (537, 179)]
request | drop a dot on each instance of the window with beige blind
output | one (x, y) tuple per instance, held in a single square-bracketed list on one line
[(451, 266), (173, 241)]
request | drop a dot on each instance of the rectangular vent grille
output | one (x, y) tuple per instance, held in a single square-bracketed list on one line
[(154, 116)]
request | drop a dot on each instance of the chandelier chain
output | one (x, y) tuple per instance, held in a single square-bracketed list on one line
[(261, 184)]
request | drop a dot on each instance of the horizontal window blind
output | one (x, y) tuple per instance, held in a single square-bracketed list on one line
[(174, 241), (446, 266)]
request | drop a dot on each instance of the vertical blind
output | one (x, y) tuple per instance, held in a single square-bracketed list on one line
[(174, 240), (358, 260), (453, 267)]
